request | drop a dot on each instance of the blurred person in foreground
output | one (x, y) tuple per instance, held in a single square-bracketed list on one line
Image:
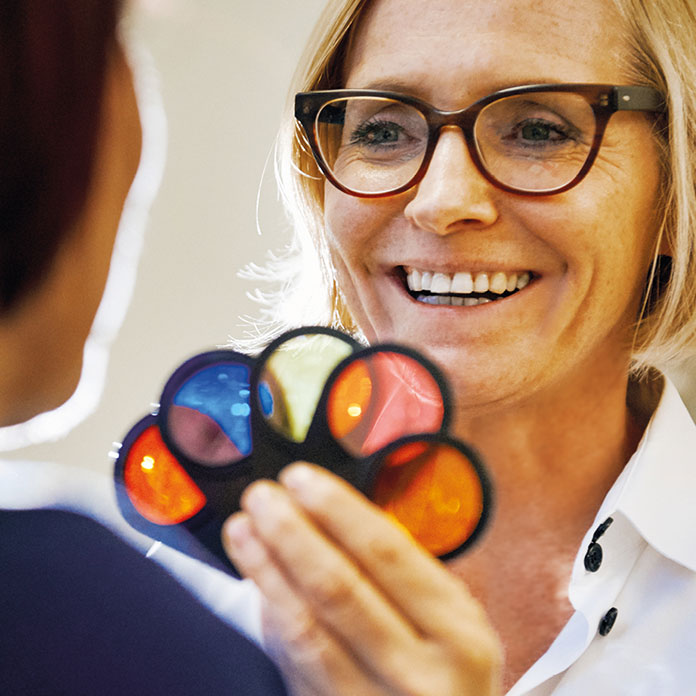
[(81, 612)]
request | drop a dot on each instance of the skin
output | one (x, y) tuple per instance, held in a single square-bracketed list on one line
[(42, 340), (537, 376)]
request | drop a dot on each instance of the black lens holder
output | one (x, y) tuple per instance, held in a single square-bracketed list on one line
[(219, 419)]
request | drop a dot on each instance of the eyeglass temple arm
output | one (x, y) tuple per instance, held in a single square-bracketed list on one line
[(637, 99)]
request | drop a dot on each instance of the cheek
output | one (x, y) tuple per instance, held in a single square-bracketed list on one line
[(354, 227), (357, 231)]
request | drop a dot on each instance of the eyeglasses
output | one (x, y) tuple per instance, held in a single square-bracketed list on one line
[(376, 416), (534, 140)]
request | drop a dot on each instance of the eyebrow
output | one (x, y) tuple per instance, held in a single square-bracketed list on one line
[(413, 89)]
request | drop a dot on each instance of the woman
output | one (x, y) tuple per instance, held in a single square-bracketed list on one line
[(81, 612), (548, 285)]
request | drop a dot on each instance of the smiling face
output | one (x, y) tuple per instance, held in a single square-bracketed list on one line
[(575, 262)]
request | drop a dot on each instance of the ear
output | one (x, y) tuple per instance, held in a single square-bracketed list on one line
[(663, 272), (664, 248)]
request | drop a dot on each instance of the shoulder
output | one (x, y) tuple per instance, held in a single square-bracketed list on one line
[(82, 612)]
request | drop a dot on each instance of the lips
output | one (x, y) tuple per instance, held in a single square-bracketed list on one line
[(463, 288)]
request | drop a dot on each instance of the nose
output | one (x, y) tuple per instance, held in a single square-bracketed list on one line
[(453, 195)]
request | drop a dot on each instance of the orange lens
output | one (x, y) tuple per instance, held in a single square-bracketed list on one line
[(381, 397), (434, 491), (349, 399), (159, 488)]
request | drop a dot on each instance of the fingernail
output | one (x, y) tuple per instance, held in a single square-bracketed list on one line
[(237, 530), (242, 546), (298, 477), (257, 497)]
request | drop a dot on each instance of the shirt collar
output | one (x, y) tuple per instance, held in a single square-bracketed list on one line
[(656, 491), (651, 503)]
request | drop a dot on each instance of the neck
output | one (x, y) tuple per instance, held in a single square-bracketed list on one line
[(557, 454), (552, 460)]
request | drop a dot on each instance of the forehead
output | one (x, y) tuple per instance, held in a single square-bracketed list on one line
[(485, 44)]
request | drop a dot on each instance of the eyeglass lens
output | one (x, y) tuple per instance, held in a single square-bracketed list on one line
[(157, 485), (535, 141)]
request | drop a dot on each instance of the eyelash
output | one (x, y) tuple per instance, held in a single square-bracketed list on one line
[(566, 132), (360, 134)]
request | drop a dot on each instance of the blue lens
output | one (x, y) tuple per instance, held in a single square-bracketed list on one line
[(221, 392)]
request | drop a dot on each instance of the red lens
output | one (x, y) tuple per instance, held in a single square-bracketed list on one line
[(159, 488), (381, 397), (434, 491)]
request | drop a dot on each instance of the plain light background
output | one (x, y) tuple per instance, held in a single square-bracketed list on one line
[(224, 67)]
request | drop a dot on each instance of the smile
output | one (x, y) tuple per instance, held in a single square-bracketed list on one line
[(463, 288)]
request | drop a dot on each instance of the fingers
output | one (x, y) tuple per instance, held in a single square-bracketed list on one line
[(312, 660), (337, 592), (423, 590), (355, 600)]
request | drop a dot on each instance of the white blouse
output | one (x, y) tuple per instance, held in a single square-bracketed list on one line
[(634, 627)]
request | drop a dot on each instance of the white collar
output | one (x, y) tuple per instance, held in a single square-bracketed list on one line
[(656, 489)]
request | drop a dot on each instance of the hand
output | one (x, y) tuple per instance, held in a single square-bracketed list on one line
[(353, 604)]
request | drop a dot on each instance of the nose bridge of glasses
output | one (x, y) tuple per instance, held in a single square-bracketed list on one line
[(461, 121), (458, 125)]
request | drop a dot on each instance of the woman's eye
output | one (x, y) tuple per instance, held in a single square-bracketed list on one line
[(377, 133), (538, 132)]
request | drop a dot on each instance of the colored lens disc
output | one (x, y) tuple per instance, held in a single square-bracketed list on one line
[(209, 418), (159, 488), (349, 399), (381, 397), (293, 378), (434, 491)]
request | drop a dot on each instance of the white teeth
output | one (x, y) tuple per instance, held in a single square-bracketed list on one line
[(441, 284), (481, 282), (452, 300), (415, 280), (498, 283), (463, 282)]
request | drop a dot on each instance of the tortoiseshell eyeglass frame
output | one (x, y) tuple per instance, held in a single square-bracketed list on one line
[(604, 100)]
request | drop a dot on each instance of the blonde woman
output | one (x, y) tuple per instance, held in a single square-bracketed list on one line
[(507, 185)]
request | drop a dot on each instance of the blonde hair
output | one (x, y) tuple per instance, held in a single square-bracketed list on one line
[(662, 36)]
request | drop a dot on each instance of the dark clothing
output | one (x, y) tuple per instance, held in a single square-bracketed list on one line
[(81, 612)]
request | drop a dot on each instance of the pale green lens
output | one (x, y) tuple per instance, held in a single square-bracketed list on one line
[(292, 380)]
